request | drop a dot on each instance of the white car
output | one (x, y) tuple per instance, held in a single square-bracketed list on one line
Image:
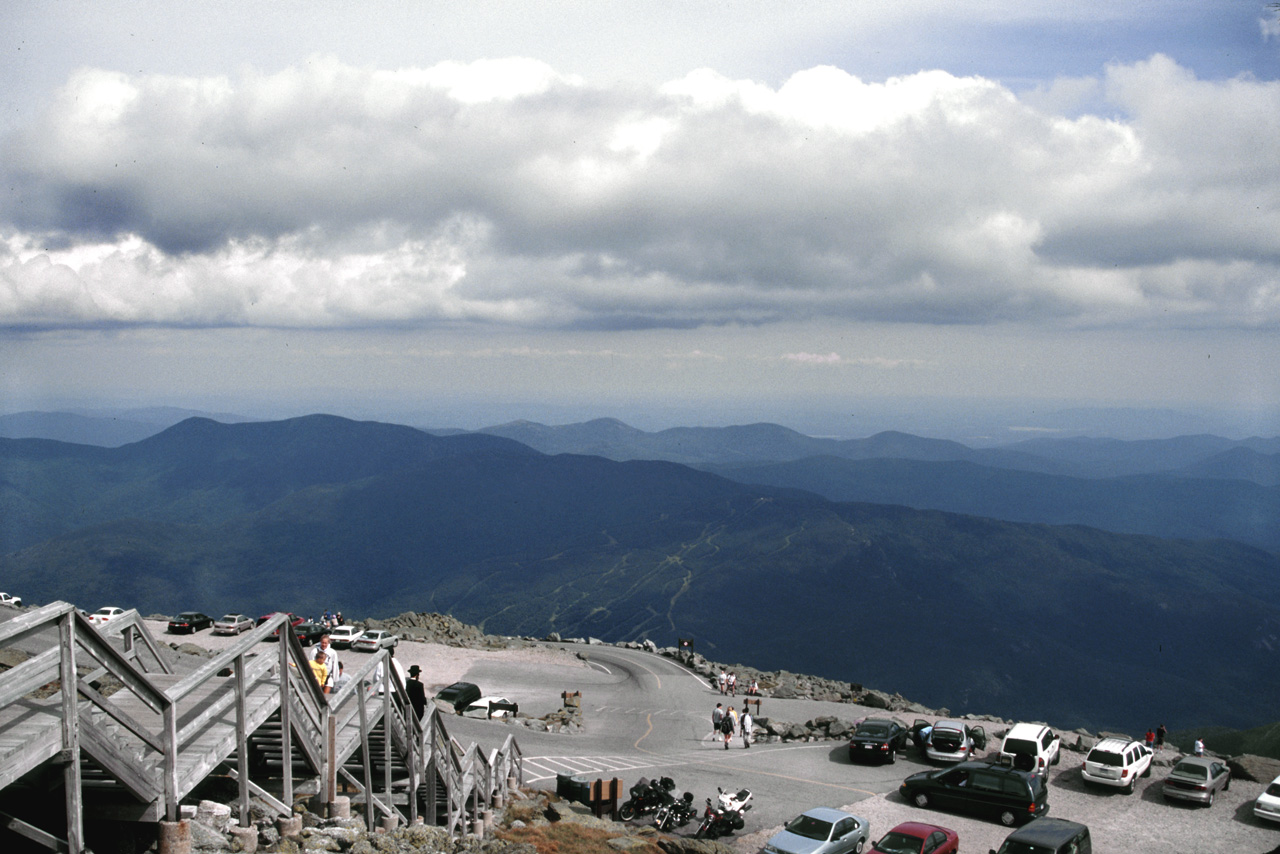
[(13, 601), (102, 616), (1031, 747), (373, 640), (1267, 806), (1117, 762), (481, 708), (342, 636), (952, 741)]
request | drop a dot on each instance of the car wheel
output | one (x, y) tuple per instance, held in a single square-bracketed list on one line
[(921, 800), (1007, 818), (1133, 784), (1057, 757), (893, 756), (1226, 785), (1147, 772), (1209, 801), (857, 849)]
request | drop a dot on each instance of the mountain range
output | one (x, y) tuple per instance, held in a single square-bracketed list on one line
[(1063, 622)]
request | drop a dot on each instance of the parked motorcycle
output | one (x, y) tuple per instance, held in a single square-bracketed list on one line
[(725, 816), (647, 796), (677, 813)]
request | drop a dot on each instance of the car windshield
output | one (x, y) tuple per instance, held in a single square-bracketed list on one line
[(1106, 757), (873, 730), (229, 618), (1020, 745), (810, 827), (899, 843), (1191, 769)]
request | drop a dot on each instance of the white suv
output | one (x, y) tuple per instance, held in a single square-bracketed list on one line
[(1117, 762), (1031, 747)]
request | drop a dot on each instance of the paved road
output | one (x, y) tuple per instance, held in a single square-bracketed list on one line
[(649, 716)]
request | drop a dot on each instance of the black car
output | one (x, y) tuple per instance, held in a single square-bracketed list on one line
[(984, 788), (309, 633), (1050, 836), (879, 740), (460, 695), (190, 621)]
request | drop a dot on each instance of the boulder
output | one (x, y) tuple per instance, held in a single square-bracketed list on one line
[(1259, 769), (875, 700)]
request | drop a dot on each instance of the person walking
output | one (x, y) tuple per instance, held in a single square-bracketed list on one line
[(726, 727), (724, 678), (745, 723), (417, 691), (733, 684), (717, 715)]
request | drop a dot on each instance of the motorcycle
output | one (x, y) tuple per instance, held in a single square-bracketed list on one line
[(677, 813), (725, 816), (647, 796)]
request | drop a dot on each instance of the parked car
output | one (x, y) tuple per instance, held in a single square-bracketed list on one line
[(1048, 836), (190, 622), (342, 636), (1031, 747), (102, 616), (459, 695), (989, 788), (483, 708), (309, 633), (952, 741), (915, 837), (821, 830), (878, 739), (232, 624), (1117, 762), (374, 640), (1267, 806), (294, 619), (1198, 779), (13, 601)]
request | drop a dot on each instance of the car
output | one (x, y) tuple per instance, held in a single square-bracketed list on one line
[(12, 601), (879, 739), (952, 741), (1267, 805), (232, 624), (821, 830), (1048, 836), (309, 633), (916, 837), (1031, 747), (1198, 779), (986, 788), (102, 616), (342, 636), (294, 619), (190, 622), (483, 708), (1117, 762), (374, 640), (459, 695)]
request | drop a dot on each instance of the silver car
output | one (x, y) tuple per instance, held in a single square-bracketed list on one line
[(374, 640), (821, 830), (1198, 779), (232, 624)]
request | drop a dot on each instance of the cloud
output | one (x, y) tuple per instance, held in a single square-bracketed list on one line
[(502, 192)]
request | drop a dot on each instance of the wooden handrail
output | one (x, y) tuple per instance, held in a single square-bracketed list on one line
[(24, 624), (202, 674)]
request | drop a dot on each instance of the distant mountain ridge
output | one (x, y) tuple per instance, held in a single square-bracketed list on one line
[(1067, 623)]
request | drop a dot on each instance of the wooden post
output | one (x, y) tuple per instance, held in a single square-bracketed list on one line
[(171, 761), (603, 793), (387, 733), (368, 766), (329, 726), (71, 733), (286, 725), (242, 743)]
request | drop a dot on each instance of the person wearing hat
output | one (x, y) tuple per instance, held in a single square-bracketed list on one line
[(416, 691)]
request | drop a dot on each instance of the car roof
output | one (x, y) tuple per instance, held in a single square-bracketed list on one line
[(949, 724), (1025, 730), (918, 828), (1113, 744), (831, 814), (1204, 761), (1047, 831)]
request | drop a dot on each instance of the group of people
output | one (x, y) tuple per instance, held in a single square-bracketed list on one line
[(1155, 739), (728, 684), (725, 722), (330, 620), (326, 667)]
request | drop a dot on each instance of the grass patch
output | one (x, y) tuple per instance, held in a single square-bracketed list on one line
[(570, 838)]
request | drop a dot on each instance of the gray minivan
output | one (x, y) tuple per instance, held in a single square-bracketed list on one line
[(1048, 836)]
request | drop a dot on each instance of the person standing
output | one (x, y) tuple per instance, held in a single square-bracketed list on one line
[(724, 678), (733, 684), (717, 715), (1161, 732), (331, 661), (340, 680), (1198, 750), (745, 723), (1151, 740), (417, 691)]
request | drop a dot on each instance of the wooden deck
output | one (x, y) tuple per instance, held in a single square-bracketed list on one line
[(134, 755)]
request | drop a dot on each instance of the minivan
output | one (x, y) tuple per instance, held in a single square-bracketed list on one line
[(1048, 836), (992, 788)]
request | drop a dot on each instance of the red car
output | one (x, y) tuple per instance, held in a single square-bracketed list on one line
[(294, 620), (913, 837)]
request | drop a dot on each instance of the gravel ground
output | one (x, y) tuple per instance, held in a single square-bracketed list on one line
[(1118, 823)]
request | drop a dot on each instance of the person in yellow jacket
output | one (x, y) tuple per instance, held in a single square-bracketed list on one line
[(320, 670)]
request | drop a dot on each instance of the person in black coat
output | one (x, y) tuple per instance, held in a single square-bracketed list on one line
[(417, 692)]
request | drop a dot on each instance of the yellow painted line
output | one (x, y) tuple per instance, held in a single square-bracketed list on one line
[(649, 720)]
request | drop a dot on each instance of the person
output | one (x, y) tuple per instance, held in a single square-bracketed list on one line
[(1161, 732), (417, 691), (1151, 739), (745, 723), (1198, 750), (726, 727), (331, 661), (717, 715), (724, 678), (340, 681), (753, 688), (320, 671), (733, 684)]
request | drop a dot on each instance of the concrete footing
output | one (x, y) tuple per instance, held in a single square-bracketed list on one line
[(244, 839), (175, 837), (339, 807), (388, 823), (289, 828)]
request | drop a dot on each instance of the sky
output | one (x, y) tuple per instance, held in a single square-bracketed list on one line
[(980, 220)]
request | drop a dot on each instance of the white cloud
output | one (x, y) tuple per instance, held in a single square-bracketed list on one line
[(503, 192)]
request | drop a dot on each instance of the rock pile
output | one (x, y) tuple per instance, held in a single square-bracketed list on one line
[(442, 629)]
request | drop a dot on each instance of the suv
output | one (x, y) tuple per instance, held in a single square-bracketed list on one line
[(992, 788), (1048, 836), (460, 695), (1031, 747), (952, 741), (1117, 762)]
